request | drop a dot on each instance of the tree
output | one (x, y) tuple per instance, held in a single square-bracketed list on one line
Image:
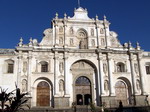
[(12, 101)]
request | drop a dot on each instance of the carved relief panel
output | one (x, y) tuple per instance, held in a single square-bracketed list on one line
[(61, 67)]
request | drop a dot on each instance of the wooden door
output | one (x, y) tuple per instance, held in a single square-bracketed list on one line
[(43, 94)]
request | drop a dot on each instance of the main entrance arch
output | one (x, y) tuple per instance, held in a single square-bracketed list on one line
[(83, 90), (85, 80), (43, 94)]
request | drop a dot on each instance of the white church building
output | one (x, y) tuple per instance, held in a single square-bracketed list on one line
[(79, 60)]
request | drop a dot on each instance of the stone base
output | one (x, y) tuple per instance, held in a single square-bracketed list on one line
[(140, 100), (109, 101), (61, 102)]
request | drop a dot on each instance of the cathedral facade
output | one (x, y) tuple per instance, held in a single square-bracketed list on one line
[(79, 60)]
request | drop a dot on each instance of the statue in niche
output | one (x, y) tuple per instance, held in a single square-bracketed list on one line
[(61, 67), (102, 41), (104, 67), (102, 31), (138, 84), (60, 40), (61, 85), (82, 44), (118, 68), (24, 66), (71, 30), (93, 42), (60, 29), (106, 85), (24, 85), (71, 41), (136, 68), (92, 32)]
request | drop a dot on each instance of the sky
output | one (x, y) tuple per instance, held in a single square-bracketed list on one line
[(130, 19)]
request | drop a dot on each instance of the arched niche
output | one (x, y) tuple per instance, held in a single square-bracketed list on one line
[(82, 39)]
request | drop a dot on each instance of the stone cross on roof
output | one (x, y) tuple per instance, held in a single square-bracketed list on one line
[(78, 3)]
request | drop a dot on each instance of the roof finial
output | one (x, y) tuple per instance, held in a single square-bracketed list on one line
[(78, 3), (65, 16), (56, 15), (96, 17), (138, 46), (104, 18), (21, 42)]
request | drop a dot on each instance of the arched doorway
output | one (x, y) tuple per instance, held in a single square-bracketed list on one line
[(43, 94), (83, 90), (122, 92)]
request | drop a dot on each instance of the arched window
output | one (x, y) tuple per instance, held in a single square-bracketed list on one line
[(147, 67), (10, 66), (44, 66), (83, 81), (120, 67)]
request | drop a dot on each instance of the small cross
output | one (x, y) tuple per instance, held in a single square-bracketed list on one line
[(78, 3)]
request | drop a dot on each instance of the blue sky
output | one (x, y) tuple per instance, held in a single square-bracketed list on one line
[(29, 18)]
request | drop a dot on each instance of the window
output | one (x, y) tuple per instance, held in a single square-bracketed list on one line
[(120, 67), (44, 66), (147, 69), (9, 66)]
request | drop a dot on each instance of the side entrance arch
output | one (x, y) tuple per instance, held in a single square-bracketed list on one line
[(43, 94), (123, 92)]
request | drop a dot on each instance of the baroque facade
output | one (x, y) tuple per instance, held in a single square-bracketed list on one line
[(78, 60)]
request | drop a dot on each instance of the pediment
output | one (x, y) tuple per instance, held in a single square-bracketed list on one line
[(80, 14)]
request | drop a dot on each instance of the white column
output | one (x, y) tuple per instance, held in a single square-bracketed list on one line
[(36, 66), (66, 75), (110, 75), (101, 74), (98, 80), (141, 75), (19, 70), (97, 29), (29, 70), (106, 28), (56, 64), (132, 74), (56, 34), (49, 67), (64, 34)]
